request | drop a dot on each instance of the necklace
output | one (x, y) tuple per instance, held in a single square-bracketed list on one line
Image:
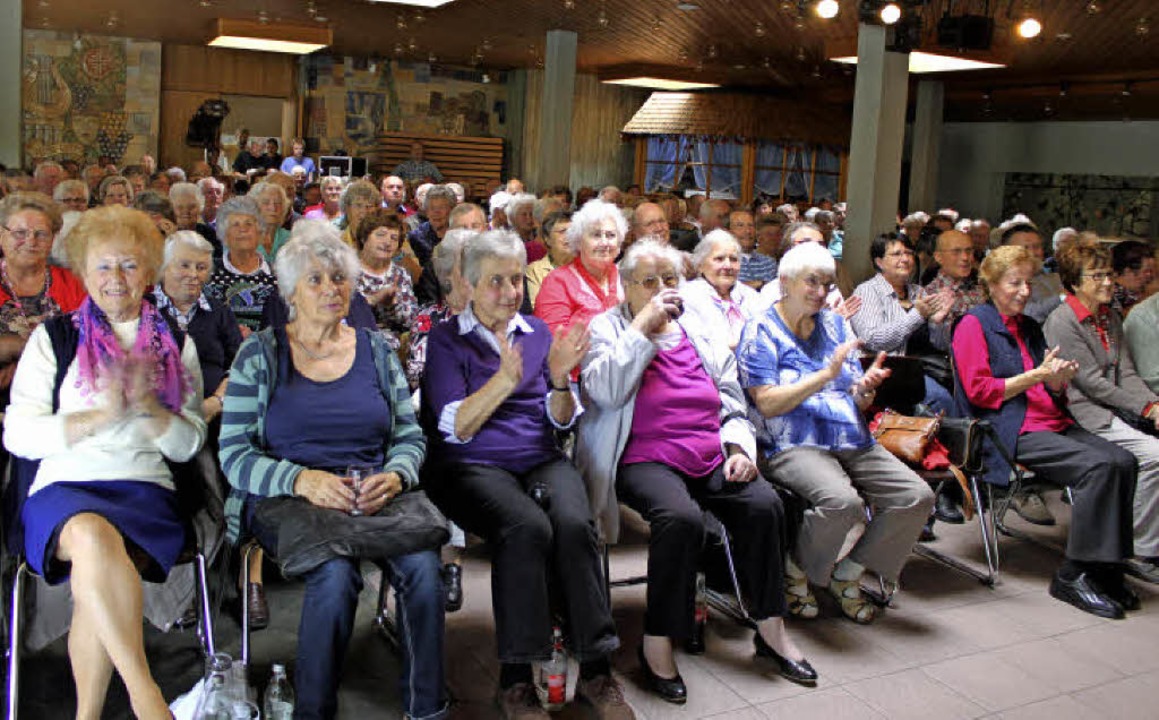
[(11, 287), (312, 355)]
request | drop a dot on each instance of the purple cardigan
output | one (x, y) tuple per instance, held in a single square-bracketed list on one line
[(518, 436)]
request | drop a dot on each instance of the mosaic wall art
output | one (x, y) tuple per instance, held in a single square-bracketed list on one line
[(350, 100), (89, 96), (1110, 205)]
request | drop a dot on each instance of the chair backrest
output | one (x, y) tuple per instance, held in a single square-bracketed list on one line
[(905, 387)]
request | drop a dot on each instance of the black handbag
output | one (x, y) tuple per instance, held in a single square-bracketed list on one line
[(309, 536)]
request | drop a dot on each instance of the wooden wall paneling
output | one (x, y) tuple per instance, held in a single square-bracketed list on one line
[(177, 107), (468, 160), (599, 154), (640, 173), (193, 68), (748, 171), (531, 129)]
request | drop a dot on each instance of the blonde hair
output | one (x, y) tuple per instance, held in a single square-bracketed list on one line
[(1001, 259), (115, 222)]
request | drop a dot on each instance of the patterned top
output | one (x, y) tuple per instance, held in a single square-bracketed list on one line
[(428, 317), (62, 293), (245, 293), (968, 294), (418, 170), (882, 322), (395, 315), (757, 267), (770, 354)]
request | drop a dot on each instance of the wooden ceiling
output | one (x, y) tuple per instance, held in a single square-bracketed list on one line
[(763, 45)]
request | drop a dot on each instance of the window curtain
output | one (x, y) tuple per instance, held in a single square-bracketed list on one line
[(770, 155), (661, 172), (797, 181), (726, 162)]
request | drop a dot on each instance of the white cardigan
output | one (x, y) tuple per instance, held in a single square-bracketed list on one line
[(609, 381), (124, 451)]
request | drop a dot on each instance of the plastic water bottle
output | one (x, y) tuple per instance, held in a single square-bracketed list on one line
[(217, 695), (695, 644), (553, 675), (279, 702)]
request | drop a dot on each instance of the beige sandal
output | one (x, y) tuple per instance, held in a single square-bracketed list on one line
[(854, 604), (801, 600)]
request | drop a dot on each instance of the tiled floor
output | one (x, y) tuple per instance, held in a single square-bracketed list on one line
[(950, 648)]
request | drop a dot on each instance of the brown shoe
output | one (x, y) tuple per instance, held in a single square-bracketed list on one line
[(520, 702), (606, 697), (258, 609)]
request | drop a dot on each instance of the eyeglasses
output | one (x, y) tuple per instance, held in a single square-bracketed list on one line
[(900, 254), (652, 282), (23, 234), (604, 235), (1099, 277), (815, 283)]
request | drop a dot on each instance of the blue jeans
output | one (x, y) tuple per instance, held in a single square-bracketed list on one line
[(328, 620), (938, 398)]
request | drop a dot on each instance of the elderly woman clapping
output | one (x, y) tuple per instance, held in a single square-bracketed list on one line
[(351, 386), (31, 291), (129, 401), (495, 389), (243, 279), (665, 431), (589, 284), (799, 363), (715, 296)]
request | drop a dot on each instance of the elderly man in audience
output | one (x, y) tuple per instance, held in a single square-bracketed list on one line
[(416, 169), (954, 254), (1045, 289), (393, 193), (437, 206), (385, 284), (357, 398), (1106, 396), (31, 290), (611, 194), (554, 227), (799, 233), (713, 215), (72, 195), (495, 389), (715, 297), (1010, 378), (1133, 262), (213, 194), (250, 163), (188, 205), (756, 269), (242, 279), (589, 284), (102, 511), (799, 364), (665, 431), (47, 176)]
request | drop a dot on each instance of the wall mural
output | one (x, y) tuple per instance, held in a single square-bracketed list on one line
[(87, 96), (350, 100), (1110, 205)]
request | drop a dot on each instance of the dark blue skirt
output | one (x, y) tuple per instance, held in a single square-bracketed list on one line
[(143, 512)]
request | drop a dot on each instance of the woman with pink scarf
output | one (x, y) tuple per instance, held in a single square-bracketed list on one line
[(102, 511)]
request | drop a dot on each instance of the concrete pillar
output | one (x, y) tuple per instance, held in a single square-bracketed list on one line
[(554, 155), (927, 143), (11, 67), (875, 152)]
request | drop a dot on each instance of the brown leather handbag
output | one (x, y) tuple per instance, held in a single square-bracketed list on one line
[(907, 437)]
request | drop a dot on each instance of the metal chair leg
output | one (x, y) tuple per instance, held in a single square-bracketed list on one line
[(383, 622), (250, 548), (205, 618), (16, 632)]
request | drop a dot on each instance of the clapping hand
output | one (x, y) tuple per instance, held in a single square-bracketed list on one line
[(1056, 372), (874, 376), (568, 348), (847, 307), (510, 362), (840, 355)]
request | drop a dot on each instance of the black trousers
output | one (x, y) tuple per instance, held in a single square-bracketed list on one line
[(674, 504), (528, 543), (1101, 476)]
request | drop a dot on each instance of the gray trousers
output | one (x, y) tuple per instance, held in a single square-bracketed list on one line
[(836, 486), (1145, 513)]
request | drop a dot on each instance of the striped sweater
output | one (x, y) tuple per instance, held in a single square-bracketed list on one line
[(252, 380)]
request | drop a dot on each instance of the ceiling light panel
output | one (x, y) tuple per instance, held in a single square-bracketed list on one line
[(661, 83)]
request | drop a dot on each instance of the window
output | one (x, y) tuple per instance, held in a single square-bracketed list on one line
[(686, 163), (797, 172)]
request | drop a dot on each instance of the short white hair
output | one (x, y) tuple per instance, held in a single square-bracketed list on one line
[(650, 247), (1062, 234), (805, 258), (64, 186), (590, 215), (491, 244), (447, 253), (313, 241), (187, 189), (519, 200), (184, 238), (705, 247), (499, 200)]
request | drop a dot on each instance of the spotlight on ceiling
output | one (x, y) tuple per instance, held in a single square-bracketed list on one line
[(827, 9), (890, 13), (1029, 28)]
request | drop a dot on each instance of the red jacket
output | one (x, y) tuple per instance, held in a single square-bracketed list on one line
[(66, 289)]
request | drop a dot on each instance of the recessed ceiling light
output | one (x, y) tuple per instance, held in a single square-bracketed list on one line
[(920, 62), (280, 37), (661, 83), (416, 3), (687, 6)]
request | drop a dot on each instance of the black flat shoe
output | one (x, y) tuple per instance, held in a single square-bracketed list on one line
[(672, 690), (453, 587), (1114, 586), (799, 671), (946, 509), (1084, 594)]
